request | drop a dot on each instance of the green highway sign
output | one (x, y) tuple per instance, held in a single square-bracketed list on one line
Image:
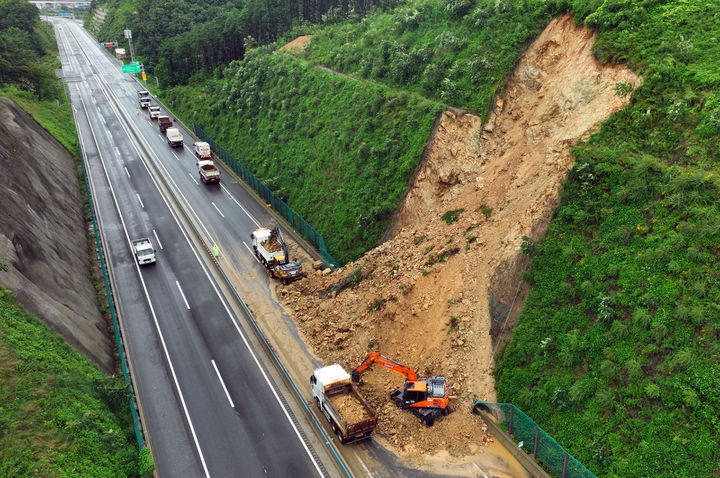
[(130, 68)]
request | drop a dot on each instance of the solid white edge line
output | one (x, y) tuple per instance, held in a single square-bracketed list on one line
[(147, 297), (183, 295), (257, 224), (480, 470), (218, 210), (193, 178), (127, 172), (251, 252), (233, 319), (157, 239), (222, 383), (141, 203)]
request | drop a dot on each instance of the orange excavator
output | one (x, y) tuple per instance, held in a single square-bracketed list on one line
[(426, 397)]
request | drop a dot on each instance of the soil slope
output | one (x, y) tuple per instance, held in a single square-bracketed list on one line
[(43, 239), (435, 294)]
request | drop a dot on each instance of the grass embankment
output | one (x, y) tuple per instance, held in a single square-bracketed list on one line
[(617, 353), (338, 151), (59, 414), (455, 52)]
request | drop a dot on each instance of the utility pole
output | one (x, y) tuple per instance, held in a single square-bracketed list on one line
[(128, 35)]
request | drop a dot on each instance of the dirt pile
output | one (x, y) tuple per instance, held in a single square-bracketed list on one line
[(429, 297), (43, 240), (272, 244), (349, 407), (297, 45)]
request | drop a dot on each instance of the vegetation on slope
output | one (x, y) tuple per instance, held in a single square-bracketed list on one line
[(457, 52), (181, 40), (60, 416), (339, 152), (617, 353), (24, 45)]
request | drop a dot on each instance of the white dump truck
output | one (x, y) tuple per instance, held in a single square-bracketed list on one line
[(351, 417), (209, 173), (174, 137), (202, 150), (144, 251), (154, 112), (269, 246)]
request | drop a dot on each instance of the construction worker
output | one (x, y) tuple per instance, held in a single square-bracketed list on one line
[(137, 111), (216, 251)]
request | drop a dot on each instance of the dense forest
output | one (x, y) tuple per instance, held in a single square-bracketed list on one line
[(24, 43), (181, 39), (617, 352)]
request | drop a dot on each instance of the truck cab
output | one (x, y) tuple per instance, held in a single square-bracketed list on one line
[(144, 251), (202, 150), (143, 93), (154, 112)]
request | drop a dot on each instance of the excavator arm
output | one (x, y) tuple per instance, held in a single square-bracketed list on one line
[(373, 357), (275, 232)]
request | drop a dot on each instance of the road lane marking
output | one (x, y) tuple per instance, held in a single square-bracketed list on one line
[(128, 174), (141, 203), (183, 295), (222, 383), (117, 151), (218, 210), (157, 239), (176, 156), (147, 295), (251, 252), (161, 136), (241, 206), (193, 178)]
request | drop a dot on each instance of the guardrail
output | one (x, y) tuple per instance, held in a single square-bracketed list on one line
[(294, 219), (111, 309), (527, 435)]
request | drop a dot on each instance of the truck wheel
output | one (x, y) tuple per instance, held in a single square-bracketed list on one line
[(446, 411), (429, 420)]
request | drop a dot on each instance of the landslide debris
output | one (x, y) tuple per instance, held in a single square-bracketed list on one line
[(43, 240), (428, 297)]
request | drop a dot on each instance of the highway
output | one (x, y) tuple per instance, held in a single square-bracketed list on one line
[(211, 404)]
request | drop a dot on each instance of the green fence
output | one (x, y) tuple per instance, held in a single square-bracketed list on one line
[(295, 220), (113, 314), (534, 439)]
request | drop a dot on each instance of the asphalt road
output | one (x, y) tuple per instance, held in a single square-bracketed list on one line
[(211, 407)]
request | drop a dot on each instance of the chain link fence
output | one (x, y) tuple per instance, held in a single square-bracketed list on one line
[(113, 314), (295, 220), (533, 439)]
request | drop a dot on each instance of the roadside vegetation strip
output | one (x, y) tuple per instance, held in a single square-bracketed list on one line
[(616, 353), (339, 155), (60, 415)]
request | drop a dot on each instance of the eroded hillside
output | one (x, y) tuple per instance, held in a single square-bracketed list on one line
[(427, 295)]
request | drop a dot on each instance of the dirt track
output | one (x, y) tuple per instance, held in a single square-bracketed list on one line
[(432, 294)]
